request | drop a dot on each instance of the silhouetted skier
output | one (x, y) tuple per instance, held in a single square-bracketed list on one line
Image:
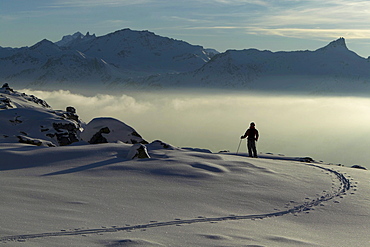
[(252, 134)]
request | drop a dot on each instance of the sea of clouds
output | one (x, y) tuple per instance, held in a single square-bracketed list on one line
[(332, 129)]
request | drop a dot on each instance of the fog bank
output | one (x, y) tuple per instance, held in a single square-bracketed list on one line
[(332, 129)]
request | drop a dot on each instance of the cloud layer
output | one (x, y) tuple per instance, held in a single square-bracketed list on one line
[(334, 129)]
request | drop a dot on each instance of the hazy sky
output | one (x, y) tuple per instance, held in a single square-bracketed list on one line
[(220, 24)]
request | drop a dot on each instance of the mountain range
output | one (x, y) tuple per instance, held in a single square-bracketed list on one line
[(330, 69), (142, 60)]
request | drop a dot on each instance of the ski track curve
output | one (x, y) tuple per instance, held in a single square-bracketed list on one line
[(345, 185)]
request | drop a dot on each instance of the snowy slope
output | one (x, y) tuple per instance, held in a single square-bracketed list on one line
[(92, 195)]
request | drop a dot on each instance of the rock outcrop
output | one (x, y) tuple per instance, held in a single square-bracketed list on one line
[(29, 119)]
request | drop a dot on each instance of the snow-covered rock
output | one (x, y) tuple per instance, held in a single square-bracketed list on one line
[(138, 151), (359, 167), (108, 130), (28, 119)]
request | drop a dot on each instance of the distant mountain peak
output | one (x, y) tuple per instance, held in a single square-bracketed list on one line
[(339, 43), (44, 45), (43, 42), (77, 36)]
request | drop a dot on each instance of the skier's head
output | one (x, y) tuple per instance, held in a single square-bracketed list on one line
[(252, 124)]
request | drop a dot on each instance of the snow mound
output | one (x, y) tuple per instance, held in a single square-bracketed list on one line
[(110, 130), (157, 144)]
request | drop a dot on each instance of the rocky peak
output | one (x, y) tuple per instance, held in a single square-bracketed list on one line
[(42, 44), (68, 38), (45, 48), (336, 44), (77, 37)]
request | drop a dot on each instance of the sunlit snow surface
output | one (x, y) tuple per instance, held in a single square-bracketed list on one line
[(96, 195), (92, 195)]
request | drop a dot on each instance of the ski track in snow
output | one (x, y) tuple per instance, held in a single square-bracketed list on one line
[(345, 185)]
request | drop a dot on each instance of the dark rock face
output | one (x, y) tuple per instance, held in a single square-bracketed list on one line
[(66, 133), (138, 151), (98, 137), (5, 103), (6, 87), (33, 141), (359, 167), (71, 113)]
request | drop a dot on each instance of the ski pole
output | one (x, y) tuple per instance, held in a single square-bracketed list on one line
[(239, 146)]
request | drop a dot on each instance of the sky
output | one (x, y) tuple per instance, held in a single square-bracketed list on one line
[(219, 24)]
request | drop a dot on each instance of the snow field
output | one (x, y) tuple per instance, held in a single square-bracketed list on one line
[(92, 195)]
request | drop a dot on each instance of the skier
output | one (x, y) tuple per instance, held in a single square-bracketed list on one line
[(252, 134)]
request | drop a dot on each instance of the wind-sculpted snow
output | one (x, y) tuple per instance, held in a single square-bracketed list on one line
[(342, 189), (95, 195)]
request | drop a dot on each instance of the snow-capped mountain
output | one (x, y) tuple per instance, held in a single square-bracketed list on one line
[(68, 40), (333, 68), (45, 62), (142, 51), (89, 60)]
